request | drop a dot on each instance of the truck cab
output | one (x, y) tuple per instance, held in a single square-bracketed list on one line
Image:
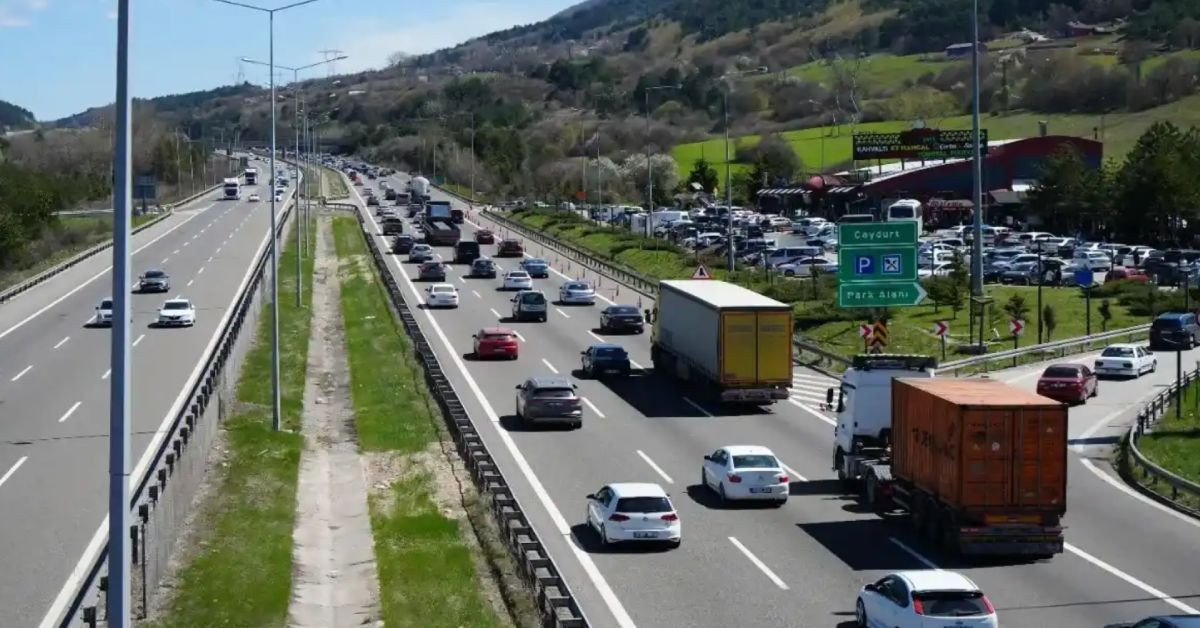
[(863, 403)]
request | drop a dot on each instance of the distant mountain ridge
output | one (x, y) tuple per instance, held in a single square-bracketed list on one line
[(15, 118)]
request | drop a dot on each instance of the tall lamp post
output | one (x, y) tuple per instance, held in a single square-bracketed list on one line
[(976, 171), (276, 418), (301, 235), (649, 165), (728, 178)]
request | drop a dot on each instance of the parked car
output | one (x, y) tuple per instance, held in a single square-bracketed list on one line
[(1125, 360), (1069, 383), (1174, 330), (804, 267), (1128, 274), (549, 397)]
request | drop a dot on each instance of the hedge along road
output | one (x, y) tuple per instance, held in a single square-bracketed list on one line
[(793, 566)]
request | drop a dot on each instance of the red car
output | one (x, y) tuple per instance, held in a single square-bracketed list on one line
[(1132, 274), (510, 248), (493, 342), (485, 236), (1069, 383)]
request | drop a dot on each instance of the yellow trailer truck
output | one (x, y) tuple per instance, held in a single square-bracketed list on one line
[(730, 344)]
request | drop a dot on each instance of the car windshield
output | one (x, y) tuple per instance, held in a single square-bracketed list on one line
[(510, 243), (106, 304), (644, 504), (483, 263), (1068, 372), (430, 266), (757, 461), (952, 603), (1117, 352), (497, 336), (554, 393), (155, 274), (535, 262), (444, 289), (518, 275), (1166, 323), (624, 310), (175, 305), (577, 286), (610, 352), (533, 298), (422, 248)]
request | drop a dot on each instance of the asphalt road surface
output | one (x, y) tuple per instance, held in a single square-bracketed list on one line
[(800, 565), (54, 388)]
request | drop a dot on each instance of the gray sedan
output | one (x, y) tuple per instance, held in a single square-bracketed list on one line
[(577, 292)]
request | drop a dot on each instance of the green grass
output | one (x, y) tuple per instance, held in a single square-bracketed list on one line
[(335, 184), (427, 574), (1175, 444), (880, 71), (242, 572)]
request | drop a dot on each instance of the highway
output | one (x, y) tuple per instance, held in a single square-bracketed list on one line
[(800, 565), (54, 386)]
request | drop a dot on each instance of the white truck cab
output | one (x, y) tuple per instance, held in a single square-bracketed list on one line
[(863, 403)]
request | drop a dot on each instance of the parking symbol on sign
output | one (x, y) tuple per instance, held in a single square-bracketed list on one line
[(891, 264), (864, 265)]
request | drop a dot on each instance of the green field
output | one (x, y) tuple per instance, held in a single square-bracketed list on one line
[(880, 71), (240, 570), (1175, 443)]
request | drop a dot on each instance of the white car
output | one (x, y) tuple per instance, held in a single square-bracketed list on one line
[(517, 280), (633, 511), (928, 598), (254, 198), (177, 313), (745, 472), (577, 292), (1125, 360), (804, 267), (941, 269), (1095, 259), (104, 313), (441, 295)]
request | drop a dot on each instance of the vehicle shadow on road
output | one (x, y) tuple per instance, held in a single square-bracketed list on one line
[(708, 498), (588, 540), (513, 423), (644, 390)]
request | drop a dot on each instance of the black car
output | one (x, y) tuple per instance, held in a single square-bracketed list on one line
[(483, 267), (392, 224), (432, 271), (466, 252), (621, 318), (403, 244), (1174, 331)]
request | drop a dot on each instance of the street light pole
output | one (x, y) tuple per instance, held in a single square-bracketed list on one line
[(976, 168), (728, 189), (118, 596)]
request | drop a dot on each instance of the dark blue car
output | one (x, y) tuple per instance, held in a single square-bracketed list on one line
[(537, 268), (605, 359)]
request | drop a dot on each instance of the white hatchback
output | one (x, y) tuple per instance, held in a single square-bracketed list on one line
[(745, 472), (929, 598), (441, 295), (517, 280), (634, 511)]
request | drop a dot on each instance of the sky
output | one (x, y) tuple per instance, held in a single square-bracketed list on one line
[(60, 55)]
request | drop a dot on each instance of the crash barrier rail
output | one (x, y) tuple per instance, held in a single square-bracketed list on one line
[(162, 496), (556, 603), (640, 283), (8, 294), (1163, 484)]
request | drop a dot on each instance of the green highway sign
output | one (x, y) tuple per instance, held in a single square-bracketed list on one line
[(881, 294), (877, 264)]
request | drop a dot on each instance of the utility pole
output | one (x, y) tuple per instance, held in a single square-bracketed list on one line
[(976, 171)]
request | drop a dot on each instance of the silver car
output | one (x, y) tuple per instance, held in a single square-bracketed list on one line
[(577, 292)]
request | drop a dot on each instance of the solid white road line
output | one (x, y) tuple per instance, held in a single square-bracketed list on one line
[(539, 490), (106, 374), (103, 273), (758, 563), (497, 314), (697, 406), (1124, 488), (22, 373), (62, 342), (68, 413), (657, 469), (13, 470), (1130, 579), (593, 407), (914, 553), (812, 412), (139, 339), (1106, 419), (793, 473), (549, 365)]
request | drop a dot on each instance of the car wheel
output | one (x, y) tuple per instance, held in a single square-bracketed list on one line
[(676, 543), (1154, 366), (704, 479), (860, 614), (604, 542), (721, 495), (1096, 391)]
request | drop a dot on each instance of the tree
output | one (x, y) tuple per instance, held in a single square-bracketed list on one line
[(1016, 307), (1071, 196), (1157, 188), (1049, 321), (704, 174), (1186, 33)]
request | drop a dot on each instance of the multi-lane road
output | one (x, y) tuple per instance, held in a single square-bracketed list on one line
[(800, 565), (54, 386)]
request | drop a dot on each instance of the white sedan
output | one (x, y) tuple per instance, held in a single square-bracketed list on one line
[(441, 295), (517, 280), (177, 313), (577, 292), (1125, 360), (924, 599), (254, 198), (804, 267), (634, 511), (745, 472), (104, 313)]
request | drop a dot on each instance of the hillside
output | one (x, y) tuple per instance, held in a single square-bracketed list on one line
[(15, 118)]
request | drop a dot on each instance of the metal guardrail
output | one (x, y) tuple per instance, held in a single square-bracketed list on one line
[(1150, 476), (1049, 350), (150, 499), (8, 294), (643, 284), (556, 603)]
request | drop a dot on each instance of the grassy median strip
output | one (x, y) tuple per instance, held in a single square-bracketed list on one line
[(1175, 442), (430, 571), (335, 185), (238, 569)]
